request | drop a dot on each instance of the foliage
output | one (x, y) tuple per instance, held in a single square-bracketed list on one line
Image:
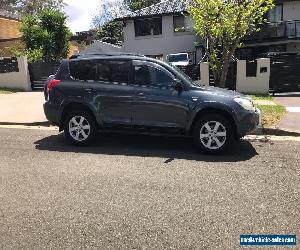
[(266, 97), (9, 90), (30, 7), (223, 23), (111, 32), (7, 5), (34, 7), (271, 114), (46, 36), (140, 4)]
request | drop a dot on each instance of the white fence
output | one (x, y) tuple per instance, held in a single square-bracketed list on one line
[(18, 80), (258, 84)]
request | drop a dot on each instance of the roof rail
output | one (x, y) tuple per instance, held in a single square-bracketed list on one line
[(87, 55)]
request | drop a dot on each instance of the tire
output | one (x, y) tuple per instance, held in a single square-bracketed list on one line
[(80, 128), (213, 133)]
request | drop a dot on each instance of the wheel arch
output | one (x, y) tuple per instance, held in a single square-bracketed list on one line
[(70, 106), (213, 110)]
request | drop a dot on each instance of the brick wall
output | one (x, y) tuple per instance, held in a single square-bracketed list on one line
[(9, 29), (6, 45)]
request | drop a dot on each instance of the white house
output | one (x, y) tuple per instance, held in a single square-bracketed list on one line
[(159, 30), (280, 34), (162, 29)]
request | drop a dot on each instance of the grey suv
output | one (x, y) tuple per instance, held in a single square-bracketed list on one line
[(135, 93)]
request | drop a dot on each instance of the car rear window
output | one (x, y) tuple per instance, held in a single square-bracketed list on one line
[(97, 70), (83, 70)]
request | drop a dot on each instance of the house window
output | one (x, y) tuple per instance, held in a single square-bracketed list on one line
[(181, 23), (275, 14), (148, 26)]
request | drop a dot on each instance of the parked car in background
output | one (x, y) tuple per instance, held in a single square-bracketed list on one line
[(140, 94), (180, 59)]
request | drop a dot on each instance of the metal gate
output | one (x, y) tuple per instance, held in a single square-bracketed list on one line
[(285, 72), (39, 73)]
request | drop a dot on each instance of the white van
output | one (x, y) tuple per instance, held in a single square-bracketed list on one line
[(179, 59)]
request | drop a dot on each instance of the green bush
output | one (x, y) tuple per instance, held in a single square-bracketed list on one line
[(46, 36)]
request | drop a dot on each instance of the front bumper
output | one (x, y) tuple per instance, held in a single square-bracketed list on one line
[(249, 123)]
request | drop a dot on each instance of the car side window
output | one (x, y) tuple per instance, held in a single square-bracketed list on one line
[(119, 71), (114, 71), (83, 70), (103, 72), (151, 74)]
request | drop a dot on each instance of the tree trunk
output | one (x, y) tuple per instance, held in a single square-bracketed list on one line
[(226, 63), (224, 72)]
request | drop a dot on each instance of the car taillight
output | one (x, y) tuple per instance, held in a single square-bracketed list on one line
[(52, 83)]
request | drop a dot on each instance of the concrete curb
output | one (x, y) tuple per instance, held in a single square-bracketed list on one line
[(33, 124)]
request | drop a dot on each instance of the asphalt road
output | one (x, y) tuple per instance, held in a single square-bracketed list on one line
[(138, 192)]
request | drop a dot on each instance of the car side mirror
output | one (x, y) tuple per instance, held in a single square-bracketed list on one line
[(177, 85)]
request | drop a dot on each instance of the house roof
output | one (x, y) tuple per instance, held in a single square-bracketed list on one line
[(9, 15), (162, 8)]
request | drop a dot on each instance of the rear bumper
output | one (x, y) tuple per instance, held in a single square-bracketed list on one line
[(51, 113), (249, 123)]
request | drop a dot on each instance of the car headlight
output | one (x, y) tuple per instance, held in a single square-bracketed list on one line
[(245, 103)]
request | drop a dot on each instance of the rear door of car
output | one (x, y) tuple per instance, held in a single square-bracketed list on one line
[(110, 91)]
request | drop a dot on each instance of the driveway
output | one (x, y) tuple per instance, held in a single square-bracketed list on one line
[(138, 192), (22, 108), (291, 121)]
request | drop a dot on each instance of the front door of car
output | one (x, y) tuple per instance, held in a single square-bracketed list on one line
[(111, 92), (157, 103)]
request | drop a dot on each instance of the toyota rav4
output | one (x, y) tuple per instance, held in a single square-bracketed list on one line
[(131, 92)]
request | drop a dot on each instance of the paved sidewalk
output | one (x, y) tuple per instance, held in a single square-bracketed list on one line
[(22, 108), (291, 121)]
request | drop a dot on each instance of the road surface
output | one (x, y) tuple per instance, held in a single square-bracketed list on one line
[(138, 192)]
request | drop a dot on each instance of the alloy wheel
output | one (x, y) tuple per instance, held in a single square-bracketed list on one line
[(79, 128), (213, 135)]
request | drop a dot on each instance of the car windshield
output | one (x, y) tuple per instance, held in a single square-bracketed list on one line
[(178, 58), (184, 75)]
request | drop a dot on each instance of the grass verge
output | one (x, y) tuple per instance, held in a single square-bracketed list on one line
[(271, 114), (262, 97), (9, 90)]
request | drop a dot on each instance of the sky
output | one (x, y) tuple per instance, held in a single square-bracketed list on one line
[(81, 13)]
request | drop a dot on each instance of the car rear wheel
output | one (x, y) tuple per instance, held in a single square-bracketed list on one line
[(80, 128), (213, 133)]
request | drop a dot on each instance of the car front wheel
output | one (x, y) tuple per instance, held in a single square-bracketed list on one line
[(80, 128), (213, 133)]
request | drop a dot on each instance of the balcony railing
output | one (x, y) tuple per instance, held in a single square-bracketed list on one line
[(276, 31)]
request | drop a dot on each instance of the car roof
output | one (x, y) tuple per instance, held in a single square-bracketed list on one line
[(114, 56), (109, 54)]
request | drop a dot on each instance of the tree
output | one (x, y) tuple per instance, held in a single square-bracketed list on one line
[(110, 31), (46, 36), (8, 5), (35, 7), (140, 4), (223, 23), (30, 7)]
